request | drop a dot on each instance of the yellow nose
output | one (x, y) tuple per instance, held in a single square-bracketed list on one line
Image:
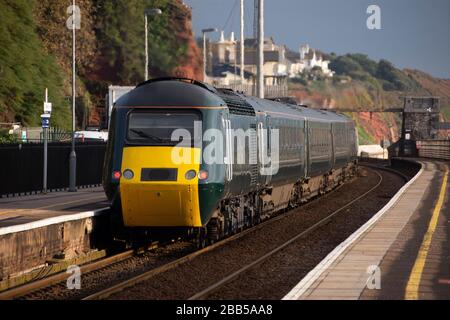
[(160, 194)]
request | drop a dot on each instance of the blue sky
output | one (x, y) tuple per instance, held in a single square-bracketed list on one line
[(415, 33)]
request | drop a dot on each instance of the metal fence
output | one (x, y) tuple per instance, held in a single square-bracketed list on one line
[(436, 149), (21, 166)]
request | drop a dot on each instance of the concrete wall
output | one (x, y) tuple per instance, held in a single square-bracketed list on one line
[(29, 249)]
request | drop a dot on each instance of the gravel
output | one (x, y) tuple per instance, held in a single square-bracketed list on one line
[(275, 277)]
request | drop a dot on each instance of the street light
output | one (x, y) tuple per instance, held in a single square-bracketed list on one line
[(204, 32), (73, 155), (148, 12)]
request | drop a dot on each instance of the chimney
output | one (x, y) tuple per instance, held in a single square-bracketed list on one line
[(232, 37), (222, 36), (304, 50)]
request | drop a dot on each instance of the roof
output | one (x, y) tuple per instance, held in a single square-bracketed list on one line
[(252, 42), (269, 56), (292, 55), (219, 71)]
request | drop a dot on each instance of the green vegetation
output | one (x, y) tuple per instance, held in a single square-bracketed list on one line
[(446, 112), (26, 69), (5, 137), (363, 136), (380, 74), (362, 84), (36, 53), (120, 33)]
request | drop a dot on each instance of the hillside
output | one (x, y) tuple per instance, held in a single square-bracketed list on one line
[(37, 52), (26, 69), (363, 84)]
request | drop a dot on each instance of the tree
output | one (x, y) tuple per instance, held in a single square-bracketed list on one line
[(26, 69), (120, 30), (386, 71), (365, 63), (344, 65)]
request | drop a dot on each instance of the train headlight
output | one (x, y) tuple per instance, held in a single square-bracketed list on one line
[(128, 174), (191, 174), (203, 175)]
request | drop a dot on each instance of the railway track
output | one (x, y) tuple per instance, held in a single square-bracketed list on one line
[(143, 258), (147, 275), (104, 294), (54, 283), (57, 278), (206, 292)]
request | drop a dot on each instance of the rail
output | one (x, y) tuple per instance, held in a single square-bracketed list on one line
[(104, 294)]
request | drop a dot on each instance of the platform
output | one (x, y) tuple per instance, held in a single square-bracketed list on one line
[(403, 252), (37, 229), (27, 209)]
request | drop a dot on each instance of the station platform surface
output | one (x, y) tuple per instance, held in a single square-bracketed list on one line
[(403, 252), (25, 210)]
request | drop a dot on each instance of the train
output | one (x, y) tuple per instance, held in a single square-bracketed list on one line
[(185, 157)]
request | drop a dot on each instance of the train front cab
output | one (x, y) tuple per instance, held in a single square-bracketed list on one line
[(159, 182), (152, 181)]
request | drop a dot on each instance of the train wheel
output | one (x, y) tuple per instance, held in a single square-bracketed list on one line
[(201, 240), (214, 230)]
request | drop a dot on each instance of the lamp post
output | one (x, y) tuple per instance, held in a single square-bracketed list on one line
[(148, 12), (260, 50), (204, 32), (73, 155), (242, 42), (45, 125)]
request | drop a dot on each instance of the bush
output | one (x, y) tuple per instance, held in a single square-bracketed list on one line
[(345, 65), (381, 74), (5, 137)]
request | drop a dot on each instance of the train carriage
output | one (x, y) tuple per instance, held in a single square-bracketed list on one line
[(267, 156)]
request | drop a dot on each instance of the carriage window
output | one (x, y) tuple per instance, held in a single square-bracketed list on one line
[(156, 128)]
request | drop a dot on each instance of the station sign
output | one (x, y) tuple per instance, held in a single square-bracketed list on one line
[(45, 120), (47, 107)]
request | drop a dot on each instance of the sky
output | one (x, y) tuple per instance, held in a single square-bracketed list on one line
[(414, 33)]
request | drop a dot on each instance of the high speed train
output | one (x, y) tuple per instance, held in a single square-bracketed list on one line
[(289, 154)]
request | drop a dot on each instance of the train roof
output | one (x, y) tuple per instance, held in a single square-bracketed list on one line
[(291, 110), (187, 92), (166, 92)]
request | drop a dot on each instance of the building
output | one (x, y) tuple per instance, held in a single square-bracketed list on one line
[(307, 60), (228, 75), (224, 69), (280, 64), (224, 51)]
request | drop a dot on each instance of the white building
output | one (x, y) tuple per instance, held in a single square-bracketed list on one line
[(227, 52), (224, 50), (308, 60)]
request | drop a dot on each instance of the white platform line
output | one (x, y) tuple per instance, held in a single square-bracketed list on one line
[(314, 274), (51, 221)]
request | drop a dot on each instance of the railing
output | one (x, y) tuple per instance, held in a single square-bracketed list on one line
[(56, 134), (21, 166), (436, 149)]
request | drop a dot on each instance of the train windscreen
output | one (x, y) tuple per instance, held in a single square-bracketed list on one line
[(160, 128)]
